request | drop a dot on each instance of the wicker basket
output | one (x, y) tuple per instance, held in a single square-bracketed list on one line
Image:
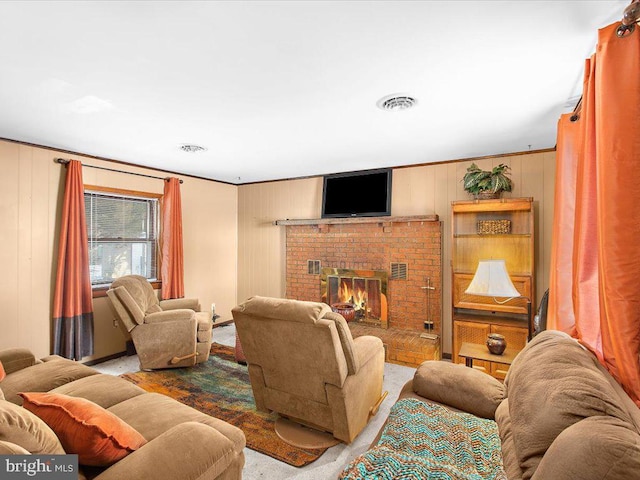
[(487, 195), (494, 227)]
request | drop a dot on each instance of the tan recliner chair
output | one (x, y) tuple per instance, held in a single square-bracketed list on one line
[(167, 333), (305, 365)]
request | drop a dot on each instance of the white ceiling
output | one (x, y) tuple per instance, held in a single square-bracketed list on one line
[(283, 89)]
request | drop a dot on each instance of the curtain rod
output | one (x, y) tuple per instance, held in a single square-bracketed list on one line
[(64, 161), (630, 17)]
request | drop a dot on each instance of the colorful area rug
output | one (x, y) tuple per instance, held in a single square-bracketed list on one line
[(220, 387), (423, 440)]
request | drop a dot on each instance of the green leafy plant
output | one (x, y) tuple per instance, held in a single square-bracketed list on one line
[(487, 181)]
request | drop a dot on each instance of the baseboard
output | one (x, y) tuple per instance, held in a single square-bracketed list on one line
[(104, 359), (446, 356), (222, 323)]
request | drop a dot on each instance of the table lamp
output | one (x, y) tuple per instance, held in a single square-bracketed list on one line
[(492, 280)]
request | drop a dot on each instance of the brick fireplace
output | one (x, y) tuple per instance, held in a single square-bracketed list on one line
[(401, 253)]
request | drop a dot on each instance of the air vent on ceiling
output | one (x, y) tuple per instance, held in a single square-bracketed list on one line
[(398, 271), (313, 267), (191, 148), (396, 101)]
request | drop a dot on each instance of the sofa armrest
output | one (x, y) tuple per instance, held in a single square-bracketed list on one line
[(188, 451), (460, 387), (178, 303), (169, 316), (14, 359), (52, 358)]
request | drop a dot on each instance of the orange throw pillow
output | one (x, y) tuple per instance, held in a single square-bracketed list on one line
[(2, 372), (85, 428)]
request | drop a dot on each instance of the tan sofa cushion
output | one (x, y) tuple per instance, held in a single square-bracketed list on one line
[(596, 448), (141, 412), (23, 428), (102, 389), (553, 384), (509, 457), (8, 448), (43, 377), (459, 386), (14, 359)]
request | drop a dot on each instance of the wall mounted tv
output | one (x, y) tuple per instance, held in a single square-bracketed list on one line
[(357, 194)]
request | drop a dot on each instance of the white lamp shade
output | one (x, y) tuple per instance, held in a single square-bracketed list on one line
[(492, 280)]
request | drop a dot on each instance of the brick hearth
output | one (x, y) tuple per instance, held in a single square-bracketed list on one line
[(374, 244), (401, 346)]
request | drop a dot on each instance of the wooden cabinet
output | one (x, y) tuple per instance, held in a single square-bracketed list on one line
[(474, 316), (475, 328)]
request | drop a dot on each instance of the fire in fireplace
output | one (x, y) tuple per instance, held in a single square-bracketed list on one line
[(366, 290)]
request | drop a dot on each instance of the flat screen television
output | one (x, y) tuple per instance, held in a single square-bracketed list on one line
[(357, 194)]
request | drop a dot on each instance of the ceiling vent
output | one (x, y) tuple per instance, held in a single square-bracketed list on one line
[(190, 148), (396, 102)]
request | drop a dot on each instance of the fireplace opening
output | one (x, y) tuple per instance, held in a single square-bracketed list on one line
[(363, 291)]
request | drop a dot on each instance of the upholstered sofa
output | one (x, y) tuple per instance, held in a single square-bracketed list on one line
[(559, 416), (177, 442)]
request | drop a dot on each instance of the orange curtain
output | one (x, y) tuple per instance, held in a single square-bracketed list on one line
[(560, 314), (72, 301), (602, 149), (172, 270)]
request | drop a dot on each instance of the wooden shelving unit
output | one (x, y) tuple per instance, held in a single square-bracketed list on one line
[(474, 317)]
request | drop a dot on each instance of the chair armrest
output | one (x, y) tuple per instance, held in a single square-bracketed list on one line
[(458, 386), (177, 303), (14, 359), (169, 316), (365, 348), (190, 450)]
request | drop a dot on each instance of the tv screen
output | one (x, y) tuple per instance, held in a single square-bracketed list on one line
[(357, 194)]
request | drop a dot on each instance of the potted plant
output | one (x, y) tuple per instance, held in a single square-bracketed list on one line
[(487, 183)]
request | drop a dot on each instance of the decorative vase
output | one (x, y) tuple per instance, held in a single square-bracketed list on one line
[(347, 310), (496, 343)]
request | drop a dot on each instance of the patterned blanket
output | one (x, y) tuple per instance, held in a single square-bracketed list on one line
[(427, 441)]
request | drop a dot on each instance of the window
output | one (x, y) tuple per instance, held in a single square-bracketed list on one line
[(122, 228)]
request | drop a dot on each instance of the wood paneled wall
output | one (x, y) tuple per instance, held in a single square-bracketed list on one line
[(418, 190), (232, 249), (30, 200)]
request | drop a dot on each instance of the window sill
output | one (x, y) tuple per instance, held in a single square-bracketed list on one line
[(101, 291)]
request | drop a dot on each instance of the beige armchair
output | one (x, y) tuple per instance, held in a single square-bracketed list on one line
[(167, 333), (305, 365)]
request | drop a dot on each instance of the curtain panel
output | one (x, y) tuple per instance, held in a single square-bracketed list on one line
[(597, 212), (172, 261), (72, 301)]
